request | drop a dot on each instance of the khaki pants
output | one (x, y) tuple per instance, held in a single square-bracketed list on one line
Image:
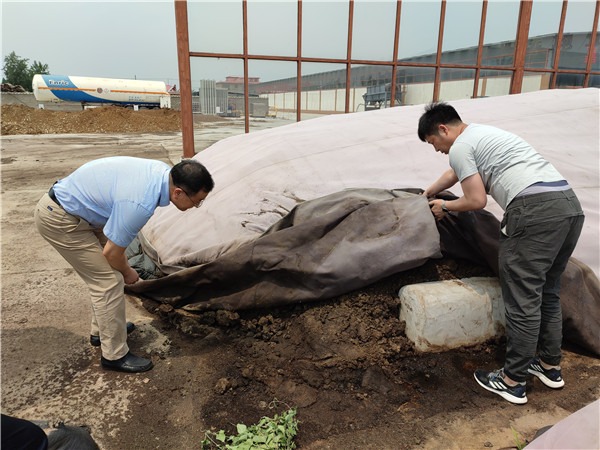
[(81, 246)]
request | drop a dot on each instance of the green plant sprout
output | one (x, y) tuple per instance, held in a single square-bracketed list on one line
[(270, 433), (517, 441)]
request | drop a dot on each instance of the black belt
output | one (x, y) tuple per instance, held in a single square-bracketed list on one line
[(53, 196)]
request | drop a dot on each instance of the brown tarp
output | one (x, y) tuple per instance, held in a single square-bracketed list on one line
[(322, 248), (347, 240)]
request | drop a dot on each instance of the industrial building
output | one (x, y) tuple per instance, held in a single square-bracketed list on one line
[(370, 84)]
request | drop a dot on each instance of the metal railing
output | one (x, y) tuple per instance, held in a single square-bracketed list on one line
[(518, 68)]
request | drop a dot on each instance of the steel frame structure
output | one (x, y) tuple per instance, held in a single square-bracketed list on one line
[(518, 68)]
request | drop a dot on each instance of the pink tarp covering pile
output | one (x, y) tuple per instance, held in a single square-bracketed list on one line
[(318, 208), (261, 176), (580, 430)]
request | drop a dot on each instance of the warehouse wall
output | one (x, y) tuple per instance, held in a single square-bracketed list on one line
[(331, 101)]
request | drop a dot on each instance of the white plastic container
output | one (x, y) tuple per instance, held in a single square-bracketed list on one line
[(441, 315)]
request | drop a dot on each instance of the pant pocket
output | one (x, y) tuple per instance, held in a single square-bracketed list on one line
[(513, 223), (83, 225)]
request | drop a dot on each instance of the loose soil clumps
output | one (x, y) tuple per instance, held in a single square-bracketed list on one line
[(348, 356)]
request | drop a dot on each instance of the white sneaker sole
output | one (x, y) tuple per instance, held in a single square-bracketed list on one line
[(505, 395), (547, 381)]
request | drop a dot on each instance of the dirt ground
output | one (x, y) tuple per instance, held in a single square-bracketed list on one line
[(344, 363)]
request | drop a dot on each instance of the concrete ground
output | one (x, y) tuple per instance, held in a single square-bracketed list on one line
[(50, 372), (48, 366)]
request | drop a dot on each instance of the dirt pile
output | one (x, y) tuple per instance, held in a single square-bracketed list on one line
[(346, 363), (7, 87), (347, 357), (20, 119)]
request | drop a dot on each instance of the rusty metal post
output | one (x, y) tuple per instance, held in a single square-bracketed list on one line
[(245, 25), (395, 57), (521, 46), (299, 67), (561, 29), (348, 55), (438, 58), (185, 79), (592, 50), (480, 48)]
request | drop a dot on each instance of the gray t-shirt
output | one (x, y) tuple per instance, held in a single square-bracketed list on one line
[(507, 164)]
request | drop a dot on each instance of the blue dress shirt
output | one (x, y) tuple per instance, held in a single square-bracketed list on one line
[(118, 194)]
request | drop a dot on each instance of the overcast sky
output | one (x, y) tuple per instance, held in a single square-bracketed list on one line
[(137, 39)]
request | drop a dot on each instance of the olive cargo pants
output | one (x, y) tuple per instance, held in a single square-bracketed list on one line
[(539, 234)]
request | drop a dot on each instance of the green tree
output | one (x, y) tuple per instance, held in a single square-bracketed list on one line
[(38, 68), (16, 70)]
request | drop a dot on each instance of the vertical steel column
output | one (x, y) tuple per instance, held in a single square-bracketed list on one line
[(395, 57), (561, 28), (185, 79), (521, 46), (480, 48), (299, 68), (246, 111), (592, 49), (438, 58), (349, 54)]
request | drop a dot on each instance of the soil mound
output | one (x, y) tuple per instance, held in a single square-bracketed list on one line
[(21, 119), (347, 356)]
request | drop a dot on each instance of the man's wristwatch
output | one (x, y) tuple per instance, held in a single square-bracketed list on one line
[(444, 207)]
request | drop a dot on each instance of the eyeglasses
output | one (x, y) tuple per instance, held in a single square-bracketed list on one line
[(196, 205)]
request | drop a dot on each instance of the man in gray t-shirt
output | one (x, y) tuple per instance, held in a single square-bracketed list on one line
[(541, 225)]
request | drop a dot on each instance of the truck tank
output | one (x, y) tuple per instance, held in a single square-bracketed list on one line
[(54, 88)]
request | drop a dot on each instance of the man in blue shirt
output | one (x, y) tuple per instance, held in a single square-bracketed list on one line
[(91, 216)]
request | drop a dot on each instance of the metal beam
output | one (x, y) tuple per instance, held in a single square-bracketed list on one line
[(438, 58), (395, 56), (299, 63), (561, 28), (592, 49), (349, 54), (521, 46), (185, 79), (480, 48), (245, 25), (518, 68)]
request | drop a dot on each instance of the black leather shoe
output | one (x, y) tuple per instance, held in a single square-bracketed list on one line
[(128, 363), (95, 340)]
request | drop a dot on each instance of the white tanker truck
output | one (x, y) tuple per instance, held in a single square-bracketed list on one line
[(87, 90)]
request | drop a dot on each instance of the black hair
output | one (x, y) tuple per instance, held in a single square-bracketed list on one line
[(436, 114), (192, 177)]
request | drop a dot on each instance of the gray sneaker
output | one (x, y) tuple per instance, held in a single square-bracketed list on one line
[(550, 377), (494, 382)]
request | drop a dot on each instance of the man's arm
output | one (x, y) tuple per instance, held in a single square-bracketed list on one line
[(447, 180), (474, 198), (115, 256)]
